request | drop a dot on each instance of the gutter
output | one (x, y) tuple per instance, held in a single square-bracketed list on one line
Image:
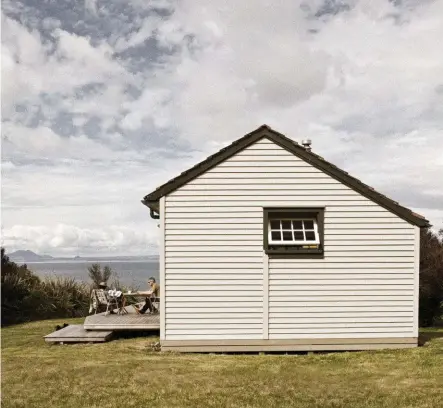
[(152, 211), (153, 214)]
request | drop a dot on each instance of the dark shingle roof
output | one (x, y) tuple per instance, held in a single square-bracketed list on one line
[(151, 200)]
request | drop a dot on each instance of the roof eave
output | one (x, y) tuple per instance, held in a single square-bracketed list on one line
[(209, 162), (152, 205)]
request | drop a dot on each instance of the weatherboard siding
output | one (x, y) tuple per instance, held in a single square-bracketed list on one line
[(214, 264)]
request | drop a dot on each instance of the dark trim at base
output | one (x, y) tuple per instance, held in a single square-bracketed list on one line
[(222, 346)]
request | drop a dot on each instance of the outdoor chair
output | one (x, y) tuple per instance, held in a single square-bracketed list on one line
[(99, 300), (155, 301)]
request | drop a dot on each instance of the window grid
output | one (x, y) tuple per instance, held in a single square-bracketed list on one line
[(293, 230)]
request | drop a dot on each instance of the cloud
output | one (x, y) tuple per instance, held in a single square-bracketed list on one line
[(68, 239), (140, 35), (43, 141), (102, 101), (34, 66), (148, 106)]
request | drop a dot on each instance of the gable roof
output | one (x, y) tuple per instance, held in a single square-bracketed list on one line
[(264, 131)]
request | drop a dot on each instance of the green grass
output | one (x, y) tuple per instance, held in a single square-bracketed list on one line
[(130, 373)]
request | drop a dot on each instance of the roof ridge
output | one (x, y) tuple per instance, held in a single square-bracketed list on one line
[(295, 148)]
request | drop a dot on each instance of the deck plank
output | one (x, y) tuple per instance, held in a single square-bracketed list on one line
[(129, 321), (75, 333)]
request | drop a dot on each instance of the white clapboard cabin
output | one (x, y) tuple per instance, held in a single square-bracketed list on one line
[(265, 246)]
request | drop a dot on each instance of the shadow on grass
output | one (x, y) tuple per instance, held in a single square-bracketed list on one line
[(427, 336), (131, 334)]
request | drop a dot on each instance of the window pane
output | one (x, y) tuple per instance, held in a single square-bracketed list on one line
[(287, 235), (297, 225), (298, 236), (286, 225), (275, 224), (276, 235), (309, 224), (310, 236)]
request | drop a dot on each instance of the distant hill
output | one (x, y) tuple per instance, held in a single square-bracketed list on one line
[(27, 256)]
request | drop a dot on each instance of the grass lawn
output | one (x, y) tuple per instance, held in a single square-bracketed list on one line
[(129, 373)]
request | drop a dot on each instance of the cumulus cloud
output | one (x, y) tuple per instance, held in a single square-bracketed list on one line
[(102, 101), (69, 239), (33, 68)]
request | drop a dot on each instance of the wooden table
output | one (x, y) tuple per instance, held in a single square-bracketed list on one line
[(143, 294), (128, 294)]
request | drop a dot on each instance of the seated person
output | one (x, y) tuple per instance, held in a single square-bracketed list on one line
[(152, 294)]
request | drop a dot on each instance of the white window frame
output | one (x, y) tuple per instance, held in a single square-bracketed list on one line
[(293, 242)]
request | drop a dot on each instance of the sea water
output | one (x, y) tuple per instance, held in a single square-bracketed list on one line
[(129, 272)]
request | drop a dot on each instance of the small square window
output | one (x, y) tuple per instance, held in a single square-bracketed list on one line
[(276, 235), (286, 224), (287, 236), (275, 224), (309, 224), (298, 236), (297, 225), (310, 235)]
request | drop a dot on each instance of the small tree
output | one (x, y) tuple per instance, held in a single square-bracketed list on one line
[(97, 274), (431, 277)]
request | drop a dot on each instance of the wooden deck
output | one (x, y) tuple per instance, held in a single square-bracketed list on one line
[(130, 321), (75, 333)]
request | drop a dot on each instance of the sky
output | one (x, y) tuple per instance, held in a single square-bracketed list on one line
[(104, 100)]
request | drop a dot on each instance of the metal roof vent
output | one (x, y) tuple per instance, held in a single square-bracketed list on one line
[(307, 144)]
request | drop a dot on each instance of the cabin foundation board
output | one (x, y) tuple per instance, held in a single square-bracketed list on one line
[(219, 346)]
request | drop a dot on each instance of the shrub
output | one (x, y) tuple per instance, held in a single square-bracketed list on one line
[(26, 297), (19, 291), (64, 297)]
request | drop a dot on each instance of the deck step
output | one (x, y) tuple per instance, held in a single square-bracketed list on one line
[(75, 333)]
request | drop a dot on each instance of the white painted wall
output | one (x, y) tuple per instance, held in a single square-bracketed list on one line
[(214, 263)]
